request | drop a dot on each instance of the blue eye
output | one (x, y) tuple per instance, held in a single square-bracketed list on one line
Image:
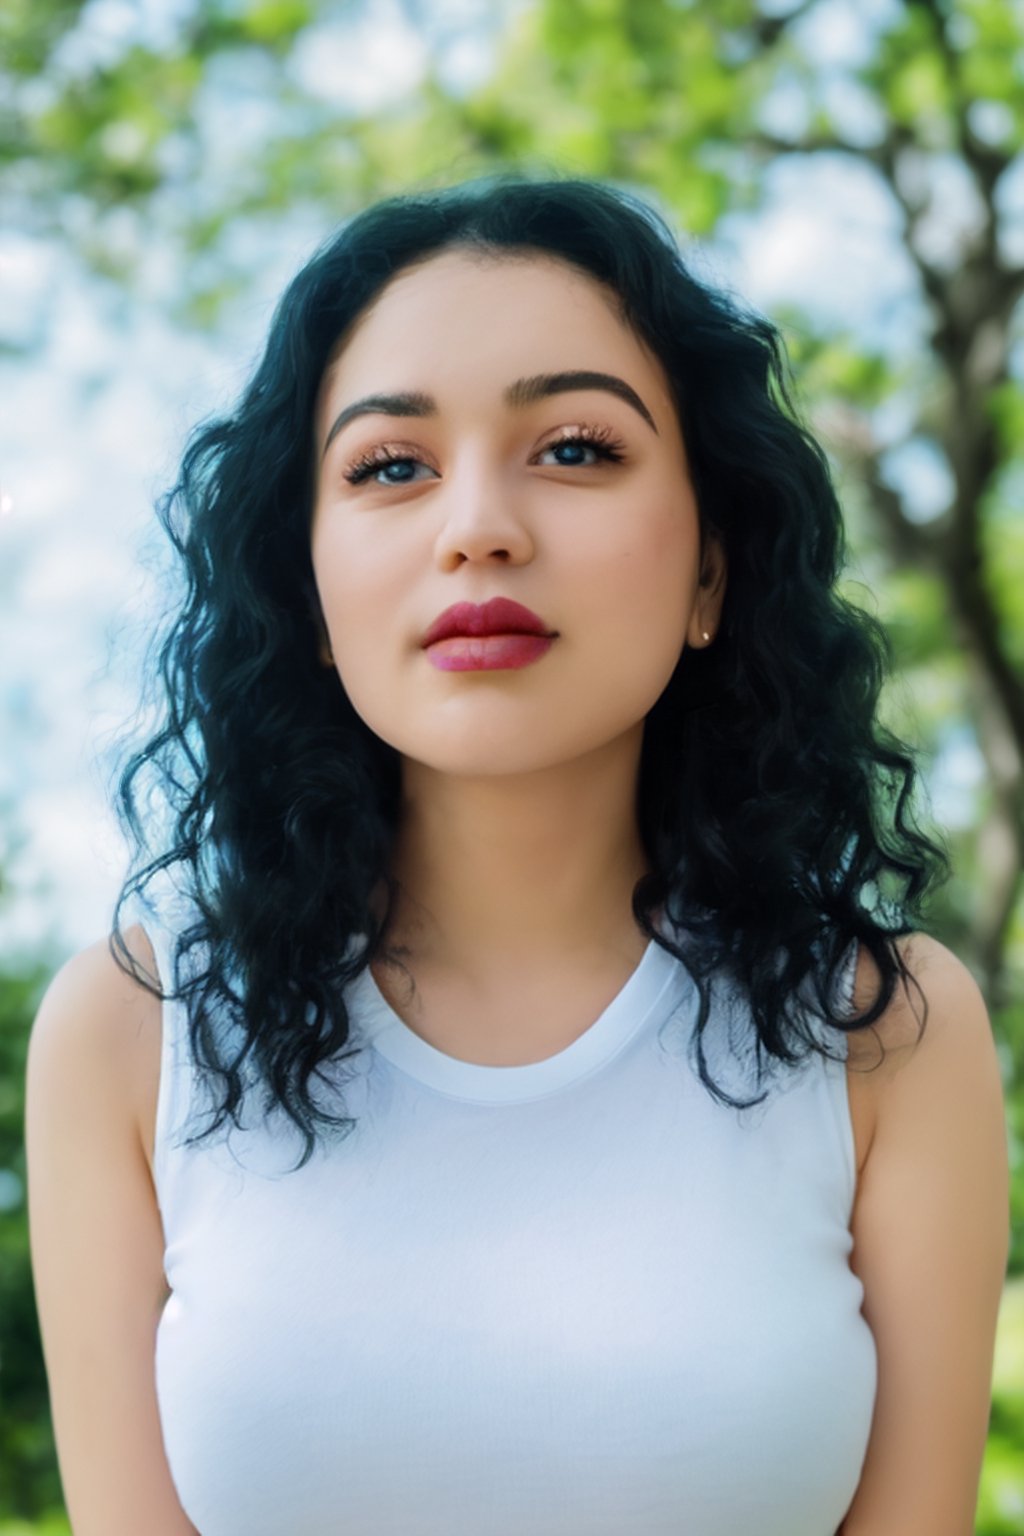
[(575, 448), (596, 440), (380, 460), (397, 471), (399, 468)]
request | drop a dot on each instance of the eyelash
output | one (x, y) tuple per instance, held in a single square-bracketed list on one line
[(601, 439)]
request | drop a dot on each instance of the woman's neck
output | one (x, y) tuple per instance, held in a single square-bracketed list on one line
[(490, 876)]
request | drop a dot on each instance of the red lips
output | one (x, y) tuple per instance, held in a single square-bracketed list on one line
[(500, 616)]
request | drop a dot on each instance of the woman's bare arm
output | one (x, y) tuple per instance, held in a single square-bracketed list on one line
[(97, 1242), (931, 1229)]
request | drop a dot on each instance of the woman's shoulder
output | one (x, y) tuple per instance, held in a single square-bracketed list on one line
[(930, 1228), (940, 981), (900, 1069), (102, 1026)]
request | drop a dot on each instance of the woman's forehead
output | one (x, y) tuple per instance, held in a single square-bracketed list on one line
[(465, 311)]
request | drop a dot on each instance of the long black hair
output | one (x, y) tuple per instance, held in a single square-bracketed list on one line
[(776, 812)]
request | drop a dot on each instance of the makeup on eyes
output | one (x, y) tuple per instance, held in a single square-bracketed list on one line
[(600, 439)]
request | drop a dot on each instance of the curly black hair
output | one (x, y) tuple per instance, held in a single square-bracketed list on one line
[(775, 810)]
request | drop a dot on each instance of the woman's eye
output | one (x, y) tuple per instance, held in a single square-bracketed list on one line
[(383, 462), (576, 450), (572, 450), (572, 453)]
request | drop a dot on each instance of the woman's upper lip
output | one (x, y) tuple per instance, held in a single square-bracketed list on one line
[(499, 616)]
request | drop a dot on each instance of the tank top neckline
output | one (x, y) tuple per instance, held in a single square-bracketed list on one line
[(633, 1005)]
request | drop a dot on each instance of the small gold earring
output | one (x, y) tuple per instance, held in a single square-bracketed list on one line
[(705, 635)]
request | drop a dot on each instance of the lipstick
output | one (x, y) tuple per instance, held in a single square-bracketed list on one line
[(476, 637)]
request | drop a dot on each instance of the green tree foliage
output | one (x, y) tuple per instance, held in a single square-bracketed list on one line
[(28, 1479)]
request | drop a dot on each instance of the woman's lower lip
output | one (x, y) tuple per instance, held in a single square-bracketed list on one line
[(480, 653)]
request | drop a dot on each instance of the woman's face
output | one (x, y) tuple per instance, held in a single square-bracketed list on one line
[(464, 494)]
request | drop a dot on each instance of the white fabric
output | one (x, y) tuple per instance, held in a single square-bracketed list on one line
[(573, 1298)]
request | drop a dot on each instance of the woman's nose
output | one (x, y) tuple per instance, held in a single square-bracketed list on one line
[(482, 519)]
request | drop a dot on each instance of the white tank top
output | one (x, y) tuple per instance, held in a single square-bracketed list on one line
[(572, 1298)]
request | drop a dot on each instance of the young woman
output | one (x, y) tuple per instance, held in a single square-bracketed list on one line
[(511, 1108)]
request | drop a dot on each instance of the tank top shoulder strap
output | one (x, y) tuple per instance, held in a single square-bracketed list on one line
[(162, 919), (831, 1072)]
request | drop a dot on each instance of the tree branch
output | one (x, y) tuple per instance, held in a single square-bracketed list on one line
[(985, 163)]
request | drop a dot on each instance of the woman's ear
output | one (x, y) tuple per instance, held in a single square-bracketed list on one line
[(707, 610)]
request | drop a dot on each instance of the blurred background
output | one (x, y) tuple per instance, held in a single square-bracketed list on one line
[(853, 168)]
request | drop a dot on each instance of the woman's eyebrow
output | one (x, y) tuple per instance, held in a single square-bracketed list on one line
[(526, 391), (522, 393)]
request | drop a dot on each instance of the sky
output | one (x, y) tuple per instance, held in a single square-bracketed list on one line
[(93, 423)]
